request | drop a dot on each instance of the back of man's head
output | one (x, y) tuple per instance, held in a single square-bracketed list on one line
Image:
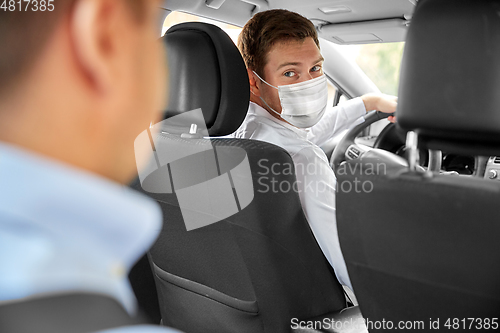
[(80, 79), (265, 29), (24, 32)]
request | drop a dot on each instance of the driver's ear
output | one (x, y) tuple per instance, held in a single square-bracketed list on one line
[(254, 83)]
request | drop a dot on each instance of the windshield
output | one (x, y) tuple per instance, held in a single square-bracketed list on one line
[(381, 62)]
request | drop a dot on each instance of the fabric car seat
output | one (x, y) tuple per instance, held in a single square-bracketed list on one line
[(257, 267), (420, 245), (76, 312)]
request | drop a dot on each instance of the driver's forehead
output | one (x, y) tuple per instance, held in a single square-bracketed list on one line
[(298, 52)]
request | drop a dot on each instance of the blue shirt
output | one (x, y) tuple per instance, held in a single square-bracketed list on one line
[(63, 229)]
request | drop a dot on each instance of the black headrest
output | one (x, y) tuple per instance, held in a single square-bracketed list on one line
[(450, 76), (206, 71)]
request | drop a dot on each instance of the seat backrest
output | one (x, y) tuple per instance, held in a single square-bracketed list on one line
[(425, 245), (62, 313), (233, 255)]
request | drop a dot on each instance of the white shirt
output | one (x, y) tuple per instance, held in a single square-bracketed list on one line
[(316, 181)]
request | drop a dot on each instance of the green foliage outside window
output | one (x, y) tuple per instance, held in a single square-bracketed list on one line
[(381, 62)]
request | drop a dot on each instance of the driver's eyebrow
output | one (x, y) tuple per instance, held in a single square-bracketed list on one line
[(288, 64), (320, 59)]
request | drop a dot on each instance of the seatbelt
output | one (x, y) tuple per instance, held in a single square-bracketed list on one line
[(75, 313)]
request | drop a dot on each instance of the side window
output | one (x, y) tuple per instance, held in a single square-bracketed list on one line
[(340, 98), (332, 94), (335, 96), (380, 62)]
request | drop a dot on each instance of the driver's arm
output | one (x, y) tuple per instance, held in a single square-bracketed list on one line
[(335, 120), (342, 116), (316, 184), (381, 102)]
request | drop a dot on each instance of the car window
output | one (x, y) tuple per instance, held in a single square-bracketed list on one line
[(343, 98), (233, 32), (381, 62), (332, 94)]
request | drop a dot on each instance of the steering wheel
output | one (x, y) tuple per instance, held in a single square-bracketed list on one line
[(392, 141), (347, 144)]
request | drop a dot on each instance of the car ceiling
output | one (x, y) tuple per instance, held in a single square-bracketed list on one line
[(350, 21)]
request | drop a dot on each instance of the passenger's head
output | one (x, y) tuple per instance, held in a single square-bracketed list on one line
[(80, 79), (282, 47)]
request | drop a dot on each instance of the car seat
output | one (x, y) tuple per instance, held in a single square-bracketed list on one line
[(252, 265), (423, 245)]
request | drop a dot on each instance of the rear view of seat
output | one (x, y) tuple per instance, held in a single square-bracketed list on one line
[(425, 246), (254, 270)]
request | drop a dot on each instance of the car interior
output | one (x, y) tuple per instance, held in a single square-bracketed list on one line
[(256, 269), (419, 241), (417, 247)]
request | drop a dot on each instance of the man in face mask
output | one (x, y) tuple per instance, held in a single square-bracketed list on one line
[(289, 108)]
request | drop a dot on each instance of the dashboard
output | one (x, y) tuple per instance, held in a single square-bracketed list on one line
[(392, 140), (492, 170)]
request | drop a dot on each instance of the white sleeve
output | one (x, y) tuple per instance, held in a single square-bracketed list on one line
[(316, 184), (335, 120)]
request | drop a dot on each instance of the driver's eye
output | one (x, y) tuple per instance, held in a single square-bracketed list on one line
[(289, 74), (316, 68)]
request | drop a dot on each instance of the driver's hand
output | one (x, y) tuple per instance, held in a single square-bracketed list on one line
[(381, 102)]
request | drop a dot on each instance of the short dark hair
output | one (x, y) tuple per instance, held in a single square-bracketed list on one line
[(24, 33), (267, 28)]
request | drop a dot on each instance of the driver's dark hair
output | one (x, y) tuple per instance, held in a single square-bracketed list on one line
[(267, 28), (25, 33)]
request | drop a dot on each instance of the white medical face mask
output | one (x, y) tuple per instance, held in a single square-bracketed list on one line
[(302, 104)]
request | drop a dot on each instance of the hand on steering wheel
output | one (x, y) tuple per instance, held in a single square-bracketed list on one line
[(347, 145)]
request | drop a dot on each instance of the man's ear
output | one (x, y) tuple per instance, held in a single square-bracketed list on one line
[(254, 85), (92, 33)]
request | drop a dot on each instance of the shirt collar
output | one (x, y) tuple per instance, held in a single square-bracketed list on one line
[(104, 223), (261, 112), (61, 198)]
